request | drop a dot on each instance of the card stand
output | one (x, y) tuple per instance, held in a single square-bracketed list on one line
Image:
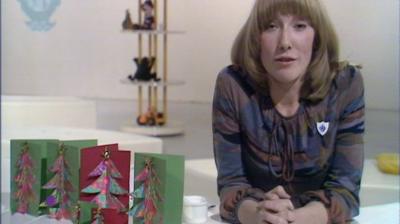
[(152, 104)]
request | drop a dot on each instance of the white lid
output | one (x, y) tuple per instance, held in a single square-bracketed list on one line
[(194, 200)]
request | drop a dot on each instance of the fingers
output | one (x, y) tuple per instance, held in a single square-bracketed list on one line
[(287, 215), (276, 193), (269, 217), (271, 196), (277, 205), (276, 208), (272, 218)]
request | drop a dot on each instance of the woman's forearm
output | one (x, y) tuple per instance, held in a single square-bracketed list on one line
[(247, 211)]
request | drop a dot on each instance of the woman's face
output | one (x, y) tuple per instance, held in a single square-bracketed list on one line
[(286, 48)]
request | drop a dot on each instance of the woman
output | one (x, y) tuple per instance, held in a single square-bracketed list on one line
[(288, 120)]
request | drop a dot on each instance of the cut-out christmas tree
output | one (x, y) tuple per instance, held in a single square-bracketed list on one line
[(76, 213), (59, 201), (106, 186), (147, 194), (24, 179), (98, 217)]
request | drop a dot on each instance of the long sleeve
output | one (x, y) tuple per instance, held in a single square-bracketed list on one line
[(340, 190), (232, 182)]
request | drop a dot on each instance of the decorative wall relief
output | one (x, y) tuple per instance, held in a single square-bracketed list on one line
[(39, 12)]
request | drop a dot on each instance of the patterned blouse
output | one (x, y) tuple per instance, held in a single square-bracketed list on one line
[(316, 154)]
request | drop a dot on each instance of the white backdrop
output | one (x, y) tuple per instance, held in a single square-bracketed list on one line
[(86, 54)]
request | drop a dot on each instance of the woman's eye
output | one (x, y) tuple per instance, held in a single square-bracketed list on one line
[(300, 26), (271, 26)]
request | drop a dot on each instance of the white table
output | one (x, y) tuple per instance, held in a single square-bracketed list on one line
[(386, 213), (376, 187), (379, 192), (200, 177)]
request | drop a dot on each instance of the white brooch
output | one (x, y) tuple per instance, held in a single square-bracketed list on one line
[(322, 127)]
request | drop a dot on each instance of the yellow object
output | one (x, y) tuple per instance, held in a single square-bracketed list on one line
[(388, 163)]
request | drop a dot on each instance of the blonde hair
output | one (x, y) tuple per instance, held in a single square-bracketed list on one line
[(324, 62)]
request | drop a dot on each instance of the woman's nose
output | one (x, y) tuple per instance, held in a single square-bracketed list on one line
[(284, 40)]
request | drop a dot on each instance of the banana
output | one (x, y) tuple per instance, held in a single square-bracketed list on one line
[(388, 163)]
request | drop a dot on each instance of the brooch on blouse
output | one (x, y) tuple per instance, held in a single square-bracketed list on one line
[(322, 127)]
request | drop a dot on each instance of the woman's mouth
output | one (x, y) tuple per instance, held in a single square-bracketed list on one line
[(285, 61)]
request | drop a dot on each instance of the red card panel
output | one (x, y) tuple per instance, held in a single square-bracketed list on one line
[(91, 157), (111, 216)]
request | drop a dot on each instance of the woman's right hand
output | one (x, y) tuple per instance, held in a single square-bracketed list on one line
[(277, 192), (277, 211), (276, 208)]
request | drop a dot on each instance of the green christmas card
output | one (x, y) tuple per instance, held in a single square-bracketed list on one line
[(158, 188), (40, 170)]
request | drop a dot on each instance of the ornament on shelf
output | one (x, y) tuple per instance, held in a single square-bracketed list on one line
[(143, 70), (59, 201), (148, 195), (24, 180), (149, 22), (151, 118), (106, 186), (127, 23)]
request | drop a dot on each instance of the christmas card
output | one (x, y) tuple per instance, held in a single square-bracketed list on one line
[(28, 174), (104, 179), (62, 186), (84, 212), (108, 216), (158, 188), (45, 175)]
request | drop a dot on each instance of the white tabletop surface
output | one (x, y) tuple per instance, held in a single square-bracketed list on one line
[(385, 214), (197, 170)]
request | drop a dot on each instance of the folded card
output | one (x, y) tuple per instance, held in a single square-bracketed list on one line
[(28, 173), (104, 178), (40, 173), (62, 187), (158, 188)]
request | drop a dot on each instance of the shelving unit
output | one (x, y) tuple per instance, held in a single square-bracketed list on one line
[(150, 92)]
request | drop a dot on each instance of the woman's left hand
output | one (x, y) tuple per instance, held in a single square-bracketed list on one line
[(276, 211)]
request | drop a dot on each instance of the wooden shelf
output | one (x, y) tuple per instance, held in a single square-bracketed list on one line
[(152, 103), (171, 129), (154, 31), (153, 83)]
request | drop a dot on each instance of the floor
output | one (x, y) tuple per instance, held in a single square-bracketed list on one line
[(382, 127)]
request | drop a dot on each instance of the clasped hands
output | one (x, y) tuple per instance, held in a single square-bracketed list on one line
[(276, 208)]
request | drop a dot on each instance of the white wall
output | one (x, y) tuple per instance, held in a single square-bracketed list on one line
[(86, 54)]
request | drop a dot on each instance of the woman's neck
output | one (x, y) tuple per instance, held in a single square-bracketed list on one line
[(285, 97)]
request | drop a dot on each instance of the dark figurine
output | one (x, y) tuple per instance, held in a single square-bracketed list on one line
[(143, 72), (127, 23), (149, 22)]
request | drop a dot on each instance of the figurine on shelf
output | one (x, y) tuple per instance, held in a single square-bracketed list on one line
[(127, 23), (149, 21), (143, 72), (151, 118)]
